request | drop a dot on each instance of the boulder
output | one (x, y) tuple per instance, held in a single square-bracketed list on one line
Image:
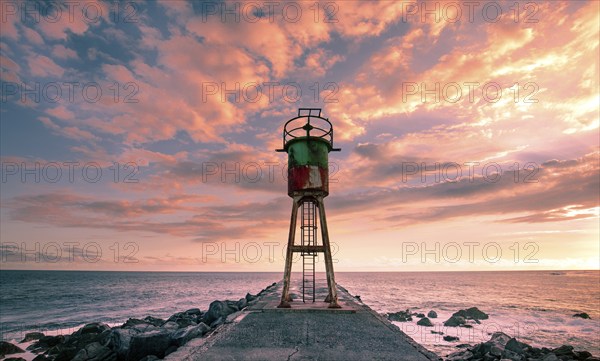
[(7, 348), (582, 315), (184, 319), (425, 322), (95, 352), (218, 309), (136, 342), (183, 335), (32, 336), (242, 303), (400, 316), (250, 297), (194, 311), (154, 321), (516, 346), (45, 343), (472, 313), (564, 350), (95, 332), (460, 356), (432, 314), (455, 321), (134, 322), (420, 315), (149, 358), (450, 338)]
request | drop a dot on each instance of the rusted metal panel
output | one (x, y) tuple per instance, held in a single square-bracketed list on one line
[(308, 178)]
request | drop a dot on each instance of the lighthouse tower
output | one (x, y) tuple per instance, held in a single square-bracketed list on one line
[(308, 139)]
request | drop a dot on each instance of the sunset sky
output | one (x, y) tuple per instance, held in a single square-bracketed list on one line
[(195, 95)]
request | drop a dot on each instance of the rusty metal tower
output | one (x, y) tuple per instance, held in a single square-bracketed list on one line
[(308, 139)]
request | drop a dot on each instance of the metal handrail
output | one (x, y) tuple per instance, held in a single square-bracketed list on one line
[(308, 127)]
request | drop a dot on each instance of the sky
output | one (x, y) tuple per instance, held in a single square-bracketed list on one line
[(141, 136)]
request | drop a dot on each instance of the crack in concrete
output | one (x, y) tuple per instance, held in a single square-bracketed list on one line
[(296, 349)]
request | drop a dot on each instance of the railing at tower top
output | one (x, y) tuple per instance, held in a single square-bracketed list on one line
[(308, 120)]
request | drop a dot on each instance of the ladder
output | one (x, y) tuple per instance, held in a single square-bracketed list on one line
[(308, 238)]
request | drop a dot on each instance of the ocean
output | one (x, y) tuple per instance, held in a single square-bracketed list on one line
[(535, 306)]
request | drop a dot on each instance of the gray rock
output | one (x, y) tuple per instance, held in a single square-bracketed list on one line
[(400, 316), (550, 357), (582, 315), (425, 322), (148, 343), (450, 338), (7, 348), (32, 336), (218, 309), (455, 321), (183, 335), (242, 303), (219, 321), (45, 343), (250, 297), (194, 311), (460, 356), (149, 358), (170, 325), (472, 313), (515, 346), (154, 321), (432, 314), (95, 352)]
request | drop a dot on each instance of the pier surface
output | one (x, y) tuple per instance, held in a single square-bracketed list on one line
[(307, 331)]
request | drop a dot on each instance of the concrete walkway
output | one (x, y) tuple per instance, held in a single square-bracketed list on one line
[(307, 331)]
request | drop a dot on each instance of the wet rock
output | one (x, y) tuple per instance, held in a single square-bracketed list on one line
[(455, 321), (420, 315), (182, 336), (472, 313), (425, 322), (582, 315), (450, 338), (400, 316), (32, 336), (432, 314), (7, 348)]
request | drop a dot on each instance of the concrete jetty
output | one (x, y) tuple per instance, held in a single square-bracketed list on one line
[(307, 331)]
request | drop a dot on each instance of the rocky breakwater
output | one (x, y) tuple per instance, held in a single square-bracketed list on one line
[(503, 347), (145, 339)]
